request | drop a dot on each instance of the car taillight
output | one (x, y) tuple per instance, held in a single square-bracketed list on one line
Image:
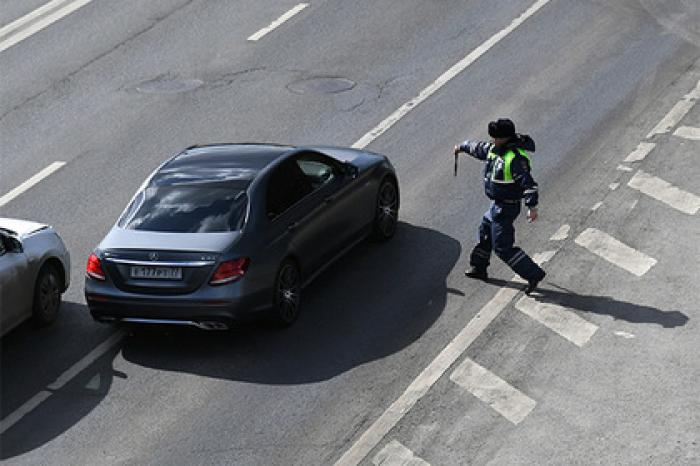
[(229, 271), (94, 268)]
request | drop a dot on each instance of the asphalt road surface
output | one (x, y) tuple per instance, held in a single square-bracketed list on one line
[(397, 357)]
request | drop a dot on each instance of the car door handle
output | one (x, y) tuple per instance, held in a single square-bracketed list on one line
[(293, 226)]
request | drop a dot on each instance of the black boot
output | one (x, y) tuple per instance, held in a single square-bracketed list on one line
[(532, 284), (474, 272)]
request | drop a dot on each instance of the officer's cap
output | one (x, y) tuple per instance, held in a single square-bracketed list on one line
[(501, 128)]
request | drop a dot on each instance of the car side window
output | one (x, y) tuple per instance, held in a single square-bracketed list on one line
[(318, 168), (287, 185)]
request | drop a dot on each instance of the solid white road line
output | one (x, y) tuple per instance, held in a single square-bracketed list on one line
[(88, 359), (30, 182), (672, 118), (559, 319), (460, 66), (41, 24), (276, 23), (505, 399), (615, 252), (395, 454), (676, 114), (31, 16), (642, 150), (688, 132), (14, 417), (665, 192), (426, 379), (561, 234), (542, 257), (420, 386)]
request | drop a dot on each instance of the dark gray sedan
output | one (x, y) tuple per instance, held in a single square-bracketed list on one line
[(225, 232)]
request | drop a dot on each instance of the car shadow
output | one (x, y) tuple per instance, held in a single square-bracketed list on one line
[(373, 302), (604, 305), (31, 360)]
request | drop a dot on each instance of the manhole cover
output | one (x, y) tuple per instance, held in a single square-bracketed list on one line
[(321, 85), (168, 85)]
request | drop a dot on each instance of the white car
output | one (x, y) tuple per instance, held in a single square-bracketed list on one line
[(34, 273)]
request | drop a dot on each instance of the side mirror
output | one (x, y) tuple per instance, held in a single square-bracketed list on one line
[(350, 170)]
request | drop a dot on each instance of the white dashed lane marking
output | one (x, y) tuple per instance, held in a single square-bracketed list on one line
[(642, 150), (596, 206), (615, 252), (395, 454), (688, 132), (30, 182), (561, 234), (558, 319), (277, 23), (505, 399), (542, 257), (676, 114), (665, 192)]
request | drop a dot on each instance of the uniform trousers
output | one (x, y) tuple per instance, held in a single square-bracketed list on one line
[(497, 234)]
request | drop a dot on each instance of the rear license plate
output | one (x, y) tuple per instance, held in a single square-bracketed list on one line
[(157, 273)]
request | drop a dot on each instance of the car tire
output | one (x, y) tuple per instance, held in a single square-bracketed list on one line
[(47, 296), (386, 217), (287, 291)]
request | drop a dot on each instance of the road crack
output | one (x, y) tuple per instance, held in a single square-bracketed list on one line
[(65, 81)]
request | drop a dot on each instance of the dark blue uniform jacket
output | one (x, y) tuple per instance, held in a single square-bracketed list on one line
[(523, 186)]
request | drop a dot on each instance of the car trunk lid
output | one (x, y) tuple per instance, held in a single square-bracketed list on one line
[(162, 263)]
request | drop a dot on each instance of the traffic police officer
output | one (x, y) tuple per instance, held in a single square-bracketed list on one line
[(507, 181)]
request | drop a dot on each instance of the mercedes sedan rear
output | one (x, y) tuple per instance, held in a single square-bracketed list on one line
[(227, 232)]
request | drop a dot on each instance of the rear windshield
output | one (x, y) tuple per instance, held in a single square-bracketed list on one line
[(186, 209)]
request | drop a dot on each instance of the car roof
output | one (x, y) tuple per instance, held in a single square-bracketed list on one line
[(237, 163)]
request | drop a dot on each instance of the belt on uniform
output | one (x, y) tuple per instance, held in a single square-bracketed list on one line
[(508, 201)]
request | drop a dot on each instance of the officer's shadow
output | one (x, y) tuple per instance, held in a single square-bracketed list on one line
[(604, 305)]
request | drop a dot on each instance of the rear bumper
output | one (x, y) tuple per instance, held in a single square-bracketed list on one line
[(183, 310)]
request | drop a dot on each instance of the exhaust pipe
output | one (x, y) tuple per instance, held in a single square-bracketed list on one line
[(212, 325), (204, 325)]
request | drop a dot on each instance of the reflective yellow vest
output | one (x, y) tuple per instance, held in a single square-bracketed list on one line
[(501, 165)]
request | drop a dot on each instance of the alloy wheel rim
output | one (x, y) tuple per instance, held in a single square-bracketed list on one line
[(48, 295), (387, 211), (288, 293)]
